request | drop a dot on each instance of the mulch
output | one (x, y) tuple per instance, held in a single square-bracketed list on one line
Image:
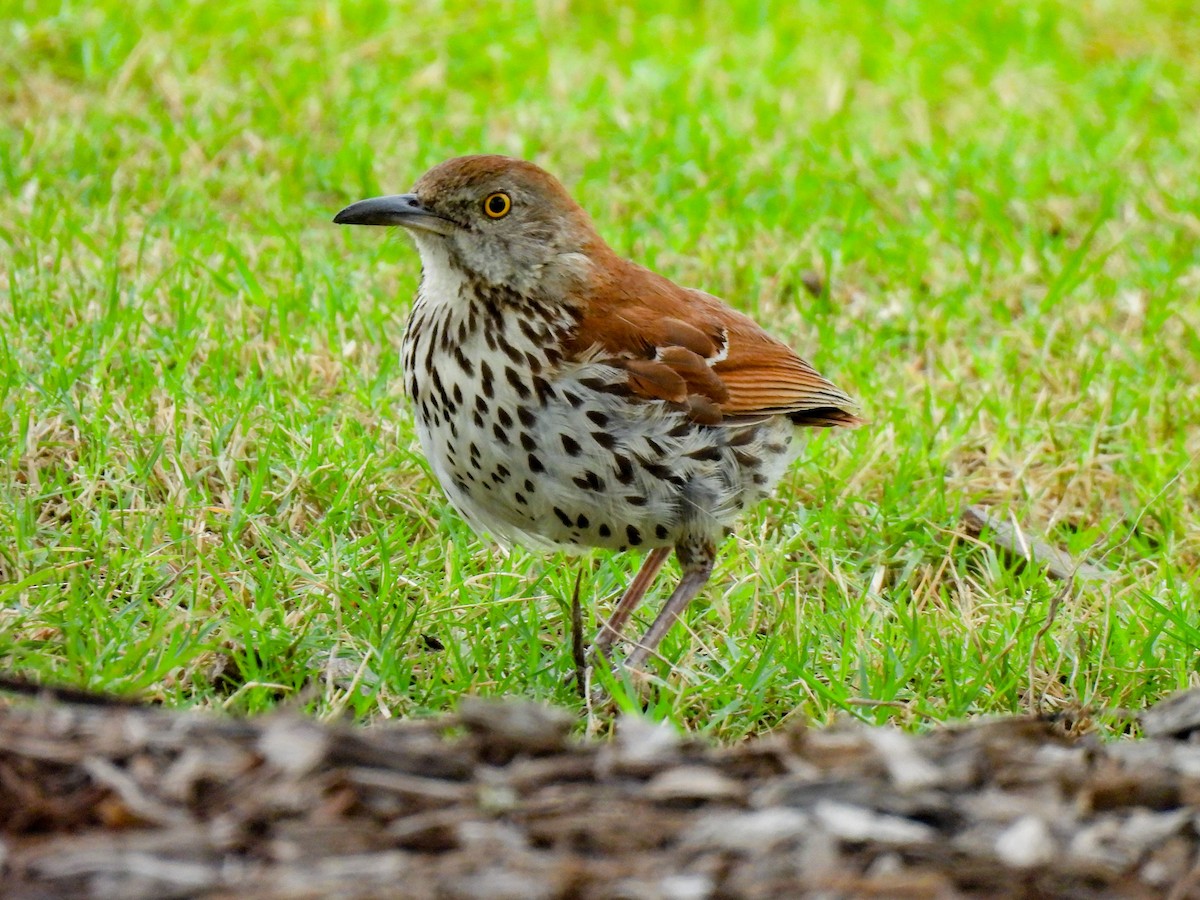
[(500, 801)]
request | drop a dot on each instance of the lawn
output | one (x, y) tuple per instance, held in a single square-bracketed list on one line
[(210, 489)]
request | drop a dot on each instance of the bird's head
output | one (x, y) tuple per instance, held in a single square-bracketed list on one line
[(503, 221)]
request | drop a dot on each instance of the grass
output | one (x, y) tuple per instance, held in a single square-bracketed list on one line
[(210, 492)]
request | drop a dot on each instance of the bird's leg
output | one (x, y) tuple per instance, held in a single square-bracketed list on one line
[(610, 631), (697, 563)]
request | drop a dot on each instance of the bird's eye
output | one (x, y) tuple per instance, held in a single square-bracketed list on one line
[(497, 205)]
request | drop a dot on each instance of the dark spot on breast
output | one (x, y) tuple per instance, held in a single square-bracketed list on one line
[(563, 517), (574, 399), (440, 388), (528, 419), (486, 380), (624, 469), (480, 404), (636, 500), (600, 386), (655, 446), (429, 356), (535, 335), (660, 531), (458, 395), (589, 481), (605, 440), (509, 350), (604, 531), (542, 388), (747, 460), (520, 498), (529, 486), (477, 418), (527, 442), (743, 437), (570, 444), (706, 454), (463, 362), (661, 472), (535, 464), (598, 418), (504, 417), (582, 521), (518, 385), (500, 435), (635, 536)]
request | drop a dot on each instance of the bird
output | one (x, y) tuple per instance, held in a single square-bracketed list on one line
[(567, 398)]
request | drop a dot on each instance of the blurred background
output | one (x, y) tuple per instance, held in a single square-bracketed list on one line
[(978, 218)]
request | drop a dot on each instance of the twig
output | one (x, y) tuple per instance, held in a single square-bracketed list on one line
[(1059, 565), (16, 685), (1012, 540), (578, 651), (1051, 614), (133, 795)]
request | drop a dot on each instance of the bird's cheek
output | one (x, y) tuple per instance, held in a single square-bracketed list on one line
[(480, 257)]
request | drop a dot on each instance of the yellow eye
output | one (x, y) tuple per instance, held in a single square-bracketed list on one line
[(497, 205)]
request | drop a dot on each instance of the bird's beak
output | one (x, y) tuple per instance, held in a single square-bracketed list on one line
[(399, 209)]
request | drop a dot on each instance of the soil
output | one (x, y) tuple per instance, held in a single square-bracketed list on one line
[(500, 801)]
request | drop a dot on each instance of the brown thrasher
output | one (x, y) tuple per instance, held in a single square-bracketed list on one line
[(568, 398)]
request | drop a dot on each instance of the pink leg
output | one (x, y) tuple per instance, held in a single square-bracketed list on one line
[(610, 631), (695, 576)]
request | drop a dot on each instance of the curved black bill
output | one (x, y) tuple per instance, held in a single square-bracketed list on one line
[(405, 210)]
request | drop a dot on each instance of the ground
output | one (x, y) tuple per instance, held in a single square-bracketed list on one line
[(979, 219), (497, 802)]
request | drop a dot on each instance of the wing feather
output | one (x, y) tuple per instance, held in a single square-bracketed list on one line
[(688, 347)]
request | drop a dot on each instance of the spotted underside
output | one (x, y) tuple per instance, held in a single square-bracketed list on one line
[(567, 397), (541, 449)]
